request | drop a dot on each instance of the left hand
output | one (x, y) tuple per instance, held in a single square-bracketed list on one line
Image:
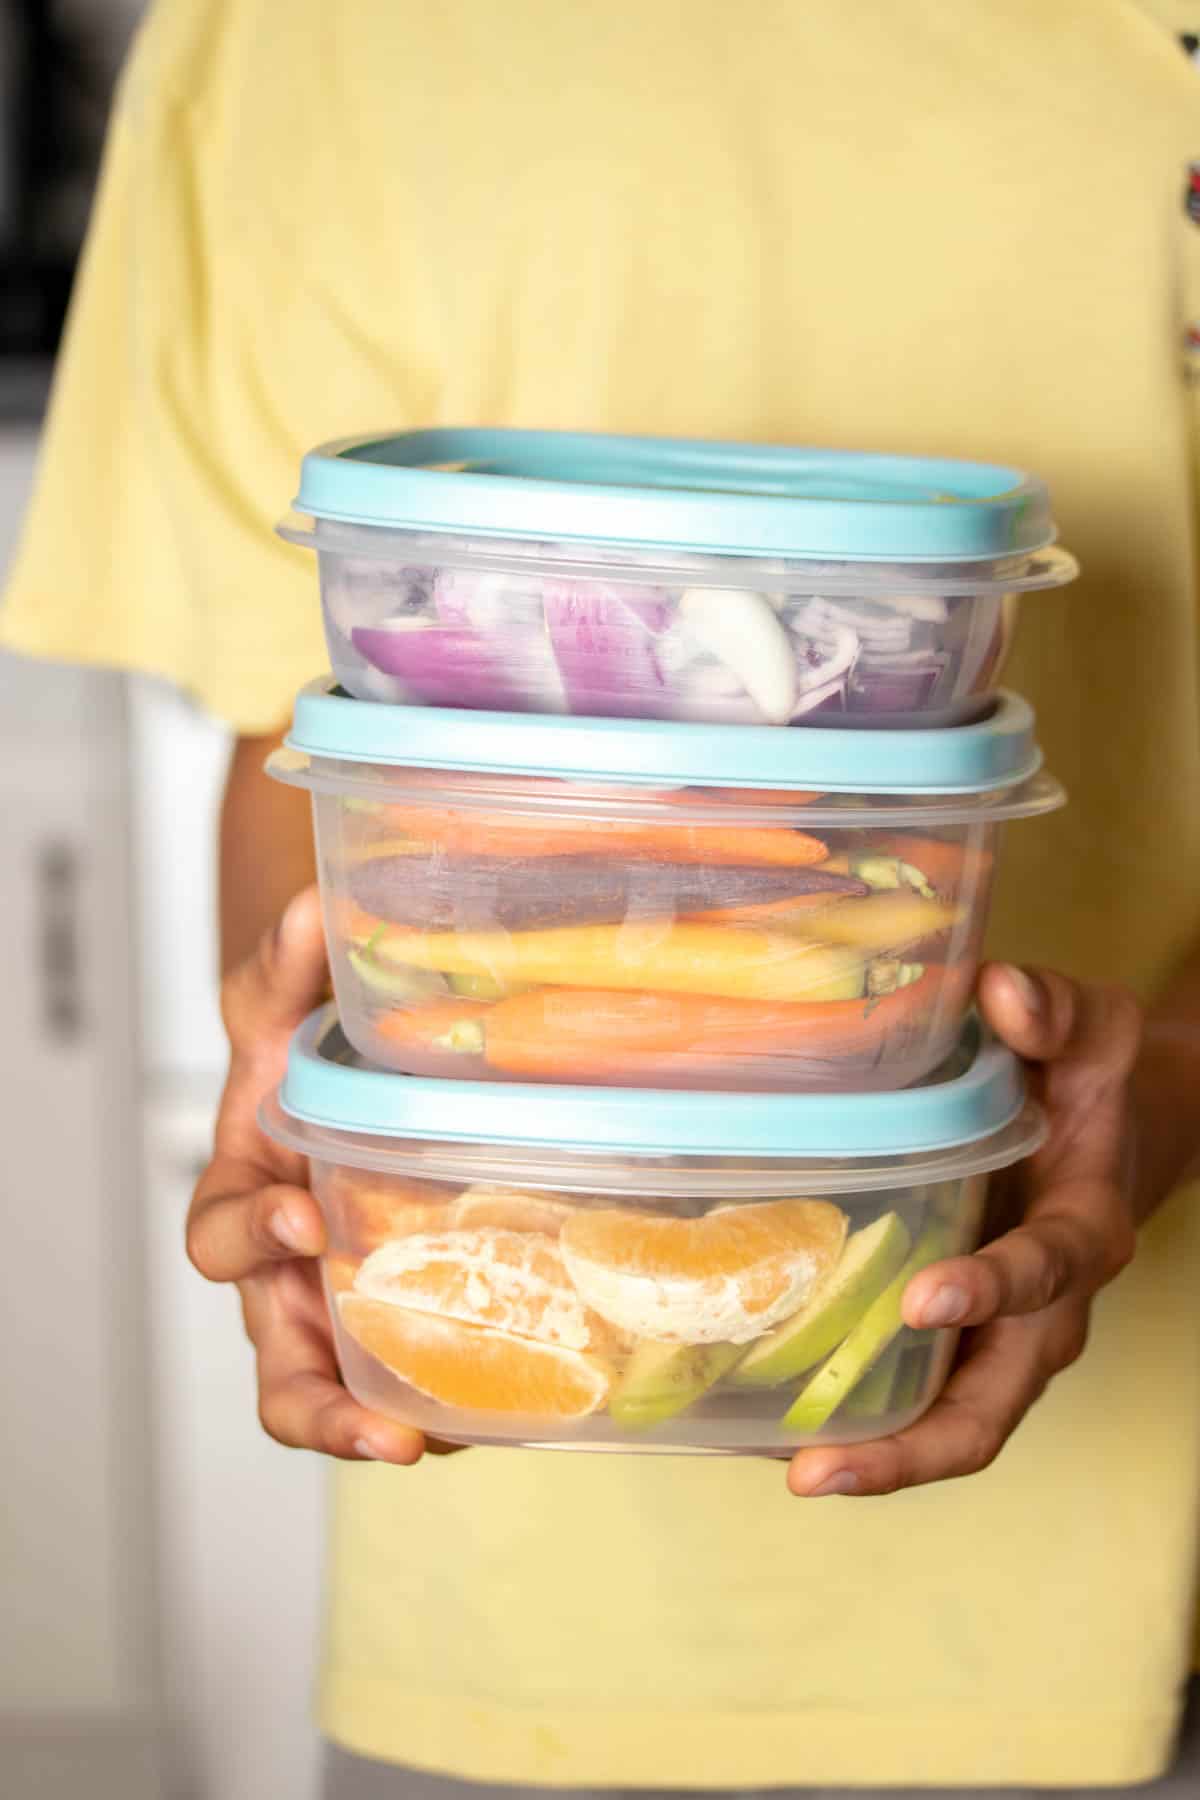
[(1026, 1296)]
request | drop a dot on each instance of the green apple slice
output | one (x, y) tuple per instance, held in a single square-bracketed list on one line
[(872, 1398), (915, 1364), (661, 1380), (868, 1262), (876, 1330)]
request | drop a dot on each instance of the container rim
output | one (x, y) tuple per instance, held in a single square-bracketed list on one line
[(678, 493), (332, 1106), (532, 557), (331, 733)]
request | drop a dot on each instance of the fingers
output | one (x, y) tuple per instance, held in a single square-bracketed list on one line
[(263, 1000), (236, 1224), (1006, 1370), (1052, 1256), (301, 1401), (1045, 1017), (269, 994)]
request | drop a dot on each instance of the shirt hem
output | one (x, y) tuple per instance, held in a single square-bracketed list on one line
[(709, 1750)]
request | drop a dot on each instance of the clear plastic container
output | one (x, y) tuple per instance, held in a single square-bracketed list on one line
[(576, 1269), (658, 579), (551, 927)]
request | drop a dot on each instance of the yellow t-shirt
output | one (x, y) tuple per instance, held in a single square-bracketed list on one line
[(914, 227)]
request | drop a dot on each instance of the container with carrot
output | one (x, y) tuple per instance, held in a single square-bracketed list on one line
[(640, 905)]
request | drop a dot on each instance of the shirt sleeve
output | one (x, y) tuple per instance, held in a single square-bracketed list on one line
[(195, 371)]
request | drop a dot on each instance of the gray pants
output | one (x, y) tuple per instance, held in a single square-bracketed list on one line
[(357, 1778)]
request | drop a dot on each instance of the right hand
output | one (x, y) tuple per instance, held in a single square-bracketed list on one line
[(253, 1220)]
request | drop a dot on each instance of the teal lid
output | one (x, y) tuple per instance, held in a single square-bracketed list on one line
[(328, 1087), (997, 752), (679, 493)]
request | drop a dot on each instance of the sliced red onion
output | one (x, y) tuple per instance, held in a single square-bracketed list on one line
[(445, 665), (603, 637), (877, 627), (823, 670), (506, 611), (741, 631), (895, 684)]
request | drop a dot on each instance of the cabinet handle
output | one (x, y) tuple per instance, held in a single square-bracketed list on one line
[(58, 899)]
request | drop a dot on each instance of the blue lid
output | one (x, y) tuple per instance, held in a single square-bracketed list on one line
[(997, 752), (679, 493), (328, 1086)]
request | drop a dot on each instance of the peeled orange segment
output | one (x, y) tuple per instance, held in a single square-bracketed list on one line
[(509, 1280), (370, 1210), (340, 1272), (473, 1368), (724, 1278), (509, 1209)]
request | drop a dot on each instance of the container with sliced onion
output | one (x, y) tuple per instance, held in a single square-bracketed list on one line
[(648, 578)]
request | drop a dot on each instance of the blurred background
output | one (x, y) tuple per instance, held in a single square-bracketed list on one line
[(159, 1557)]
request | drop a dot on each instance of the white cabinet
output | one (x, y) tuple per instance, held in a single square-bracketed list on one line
[(240, 1518), (159, 1557), (80, 1698)]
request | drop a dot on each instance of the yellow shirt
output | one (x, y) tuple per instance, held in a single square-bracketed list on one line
[(913, 227)]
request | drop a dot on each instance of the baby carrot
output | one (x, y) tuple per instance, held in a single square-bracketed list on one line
[(887, 921), (447, 1027), (943, 863), (516, 834), (672, 958), (614, 1037)]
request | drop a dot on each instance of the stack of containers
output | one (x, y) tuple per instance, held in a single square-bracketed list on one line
[(657, 790)]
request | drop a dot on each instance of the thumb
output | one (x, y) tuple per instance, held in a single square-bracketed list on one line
[(1088, 1031), (280, 983)]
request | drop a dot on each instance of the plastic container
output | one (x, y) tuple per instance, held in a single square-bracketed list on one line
[(510, 897), (659, 578), (594, 1269)]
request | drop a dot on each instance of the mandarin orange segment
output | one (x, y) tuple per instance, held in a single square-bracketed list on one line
[(369, 1210), (512, 1281), (340, 1271), (474, 1368), (511, 1209), (724, 1278)]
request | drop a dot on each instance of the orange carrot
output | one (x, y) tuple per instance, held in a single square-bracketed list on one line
[(594, 1036), (442, 1033), (348, 922), (515, 834)]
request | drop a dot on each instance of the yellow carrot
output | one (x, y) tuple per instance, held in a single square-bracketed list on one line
[(886, 921), (653, 954)]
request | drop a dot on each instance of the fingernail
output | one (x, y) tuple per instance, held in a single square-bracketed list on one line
[(1029, 990), (289, 1232), (363, 1447), (845, 1481), (947, 1307)]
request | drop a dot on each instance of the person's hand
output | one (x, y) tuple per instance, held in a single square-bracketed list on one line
[(253, 1221), (1026, 1296)]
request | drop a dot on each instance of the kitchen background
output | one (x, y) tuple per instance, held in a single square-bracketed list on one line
[(159, 1556)]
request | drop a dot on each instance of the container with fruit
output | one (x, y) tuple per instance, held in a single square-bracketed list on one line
[(592, 1268), (519, 898), (650, 578)]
